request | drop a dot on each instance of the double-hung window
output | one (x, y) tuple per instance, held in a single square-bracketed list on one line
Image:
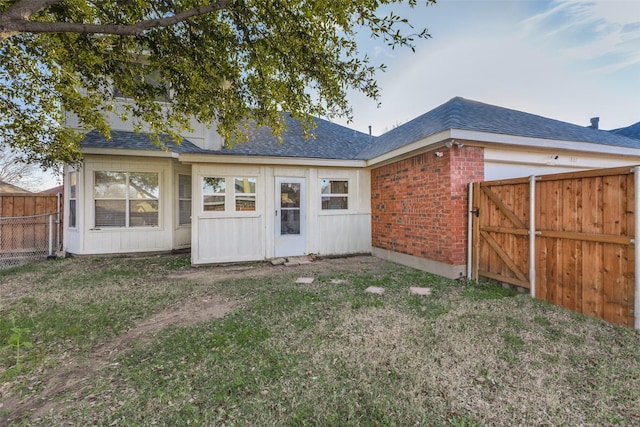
[(334, 193), (238, 196), (126, 199), (73, 177), (245, 194), (184, 199)]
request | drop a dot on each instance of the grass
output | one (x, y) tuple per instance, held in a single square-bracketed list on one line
[(306, 355)]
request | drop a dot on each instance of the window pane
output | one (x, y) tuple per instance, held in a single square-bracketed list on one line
[(339, 187), (246, 203), (290, 222), (211, 185), (72, 213), (143, 185), (335, 202), (110, 185), (185, 212), (245, 185), (184, 186), (143, 213), (290, 195), (110, 213), (72, 185), (328, 186), (214, 203)]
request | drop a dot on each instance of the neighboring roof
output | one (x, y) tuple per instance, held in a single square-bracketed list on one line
[(127, 140), (632, 131), (5, 187), (54, 190), (463, 114), (328, 141)]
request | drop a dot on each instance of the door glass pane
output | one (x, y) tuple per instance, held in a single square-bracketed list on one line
[(290, 195), (290, 221)]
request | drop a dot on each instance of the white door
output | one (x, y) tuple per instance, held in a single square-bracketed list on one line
[(291, 234)]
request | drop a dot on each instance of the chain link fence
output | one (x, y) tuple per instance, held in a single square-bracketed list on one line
[(28, 238)]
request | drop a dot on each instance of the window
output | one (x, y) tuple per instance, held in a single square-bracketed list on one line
[(126, 199), (72, 198), (245, 194), (213, 194), (241, 194), (335, 194), (144, 83), (184, 199)]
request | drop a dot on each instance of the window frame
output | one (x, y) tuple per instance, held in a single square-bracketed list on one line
[(127, 201), (230, 195), (346, 195), (73, 199), (182, 198)]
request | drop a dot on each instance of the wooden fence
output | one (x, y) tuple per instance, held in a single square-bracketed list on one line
[(583, 251), (31, 211)]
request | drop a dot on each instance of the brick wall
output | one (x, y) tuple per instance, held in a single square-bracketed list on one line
[(419, 205)]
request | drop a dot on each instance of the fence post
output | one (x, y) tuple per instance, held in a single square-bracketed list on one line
[(50, 237), (532, 236), (470, 231), (636, 244)]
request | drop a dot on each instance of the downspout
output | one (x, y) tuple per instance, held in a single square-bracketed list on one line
[(470, 232), (636, 241), (532, 236)]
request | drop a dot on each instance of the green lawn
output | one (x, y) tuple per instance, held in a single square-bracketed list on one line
[(134, 341)]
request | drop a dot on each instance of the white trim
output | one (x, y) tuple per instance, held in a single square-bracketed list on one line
[(192, 158), (529, 142), (410, 148), (128, 152)]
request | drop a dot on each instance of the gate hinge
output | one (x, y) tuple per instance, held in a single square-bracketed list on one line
[(476, 212)]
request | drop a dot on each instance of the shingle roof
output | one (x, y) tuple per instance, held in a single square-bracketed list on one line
[(126, 140), (333, 141), (7, 188), (632, 131), (329, 141), (463, 114)]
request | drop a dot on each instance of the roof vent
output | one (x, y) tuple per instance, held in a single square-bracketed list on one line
[(594, 122)]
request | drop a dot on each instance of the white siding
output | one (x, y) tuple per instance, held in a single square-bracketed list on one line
[(503, 163), (343, 234), (86, 239), (230, 239), (242, 236)]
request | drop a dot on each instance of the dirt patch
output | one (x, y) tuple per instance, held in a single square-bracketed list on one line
[(73, 371)]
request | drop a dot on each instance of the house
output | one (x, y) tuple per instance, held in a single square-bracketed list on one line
[(632, 131), (401, 196), (6, 188)]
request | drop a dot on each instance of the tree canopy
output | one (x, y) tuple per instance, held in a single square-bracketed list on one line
[(219, 61)]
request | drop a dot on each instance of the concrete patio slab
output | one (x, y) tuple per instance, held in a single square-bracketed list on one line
[(375, 290)]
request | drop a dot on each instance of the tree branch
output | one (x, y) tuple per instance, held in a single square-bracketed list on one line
[(16, 21)]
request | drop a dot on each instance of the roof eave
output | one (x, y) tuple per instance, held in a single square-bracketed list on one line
[(500, 139), (129, 152), (193, 158), (530, 142)]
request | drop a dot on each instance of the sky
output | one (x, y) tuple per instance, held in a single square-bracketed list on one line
[(564, 59)]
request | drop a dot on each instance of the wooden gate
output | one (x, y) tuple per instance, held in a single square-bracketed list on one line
[(583, 251)]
